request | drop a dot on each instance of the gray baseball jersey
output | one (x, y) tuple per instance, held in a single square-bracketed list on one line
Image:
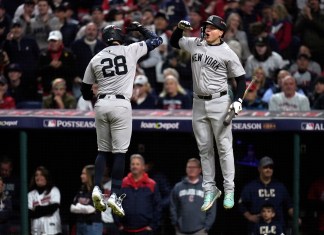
[(211, 68), (114, 69), (211, 65)]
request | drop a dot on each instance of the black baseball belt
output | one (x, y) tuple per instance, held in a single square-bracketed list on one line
[(210, 97), (102, 96)]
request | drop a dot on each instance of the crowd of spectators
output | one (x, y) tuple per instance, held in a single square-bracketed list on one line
[(43, 40)]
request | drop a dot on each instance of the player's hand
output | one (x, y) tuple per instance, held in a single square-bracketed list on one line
[(184, 25), (134, 26), (236, 106)]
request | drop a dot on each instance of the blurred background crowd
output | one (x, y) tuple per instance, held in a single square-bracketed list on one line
[(45, 40)]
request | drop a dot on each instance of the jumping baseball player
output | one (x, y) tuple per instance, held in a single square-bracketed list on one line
[(213, 62), (114, 69)]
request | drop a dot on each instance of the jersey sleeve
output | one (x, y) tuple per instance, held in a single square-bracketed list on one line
[(235, 68), (137, 50), (55, 195), (186, 43), (89, 77)]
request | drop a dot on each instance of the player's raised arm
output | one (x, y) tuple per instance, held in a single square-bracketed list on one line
[(151, 39), (178, 33)]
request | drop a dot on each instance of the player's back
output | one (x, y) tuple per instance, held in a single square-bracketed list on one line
[(114, 68)]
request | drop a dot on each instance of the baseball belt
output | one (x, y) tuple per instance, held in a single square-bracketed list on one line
[(210, 97), (102, 96)]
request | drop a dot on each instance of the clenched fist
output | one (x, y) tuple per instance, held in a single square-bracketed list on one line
[(134, 26), (184, 25)]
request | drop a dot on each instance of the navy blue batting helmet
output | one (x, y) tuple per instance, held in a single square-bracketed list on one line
[(217, 21), (112, 33)]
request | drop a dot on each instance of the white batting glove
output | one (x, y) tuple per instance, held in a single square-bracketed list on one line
[(237, 106), (184, 25)]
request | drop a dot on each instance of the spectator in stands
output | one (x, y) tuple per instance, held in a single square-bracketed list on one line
[(12, 183), (288, 99), (5, 22), (56, 62), (5, 209), (16, 89), (84, 49), (68, 30), (315, 203), (42, 24), (4, 61), (309, 25), (317, 98), (6, 101), (161, 29), (261, 81), (235, 32), (276, 85), (180, 61), (142, 97), (248, 15), (173, 95), (313, 66), (262, 190), (88, 105), (263, 56), (179, 11), (252, 100), (162, 181), (267, 224), (304, 78), (143, 202), (59, 98), (26, 14), (195, 18), (44, 200), (98, 18), (185, 202), (23, 51), (281, 29), (70, 14), (88, 222)]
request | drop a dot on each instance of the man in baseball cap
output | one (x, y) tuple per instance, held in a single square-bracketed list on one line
[(55, 36), (265, 161)]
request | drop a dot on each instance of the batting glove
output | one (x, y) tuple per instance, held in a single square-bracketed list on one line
[(184, 25), (134, 26), (236, 106)]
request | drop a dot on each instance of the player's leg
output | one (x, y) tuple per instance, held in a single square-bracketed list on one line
[(224, 142), (121, 131), (103, 140), (204, 138)]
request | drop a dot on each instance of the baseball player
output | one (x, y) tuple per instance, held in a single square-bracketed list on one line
[(114, 69), (213, 62)]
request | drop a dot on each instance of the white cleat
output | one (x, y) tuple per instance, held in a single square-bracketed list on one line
[(115, 203), (98, 200)]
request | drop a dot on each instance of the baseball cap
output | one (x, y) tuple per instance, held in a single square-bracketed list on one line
[(261, 41), (161, 14), (58, 82), (3, 80), (265, 161), (14, 67), (16, 23), (140, 80), (302, 55), (319, 80), (55, 35)]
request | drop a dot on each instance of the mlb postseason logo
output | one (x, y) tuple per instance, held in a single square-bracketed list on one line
[(49, 123), (307, 126)]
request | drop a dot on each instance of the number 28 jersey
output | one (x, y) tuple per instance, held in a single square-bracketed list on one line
[(114, 68)]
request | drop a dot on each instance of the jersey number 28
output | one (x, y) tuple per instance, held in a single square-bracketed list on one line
[(114, 66)]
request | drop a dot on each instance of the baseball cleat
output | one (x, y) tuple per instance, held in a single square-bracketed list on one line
[(209, 199), (115, 203), (228, 200), (98, 200)]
